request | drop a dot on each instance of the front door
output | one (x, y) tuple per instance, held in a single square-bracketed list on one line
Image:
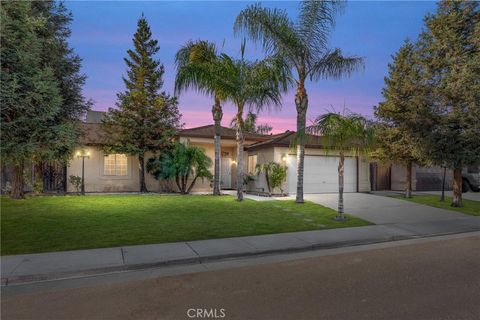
[(225, 173)]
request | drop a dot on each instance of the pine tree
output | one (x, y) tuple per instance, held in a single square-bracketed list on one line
[(404, 100), (449, 54), (145, 119), (30, 95)]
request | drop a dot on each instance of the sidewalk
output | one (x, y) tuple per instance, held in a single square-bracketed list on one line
[(56, 265)]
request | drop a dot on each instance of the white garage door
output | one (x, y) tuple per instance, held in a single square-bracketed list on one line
[(321, 174)]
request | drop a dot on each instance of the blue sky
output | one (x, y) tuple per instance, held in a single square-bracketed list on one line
[(102, 31)]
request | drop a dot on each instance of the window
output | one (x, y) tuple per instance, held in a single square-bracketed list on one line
[(115, 165), (252, 163)]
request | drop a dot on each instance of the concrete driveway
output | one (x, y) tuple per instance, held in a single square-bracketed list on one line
[(384, 210)]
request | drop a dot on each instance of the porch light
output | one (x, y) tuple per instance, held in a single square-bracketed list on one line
[(284, 158), (83, 155)]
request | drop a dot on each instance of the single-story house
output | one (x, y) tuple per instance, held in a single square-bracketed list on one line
[(119, 172)]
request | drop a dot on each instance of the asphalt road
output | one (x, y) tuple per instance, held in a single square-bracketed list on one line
[(434, 280)]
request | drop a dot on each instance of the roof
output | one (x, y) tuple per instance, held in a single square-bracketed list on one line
[(226, 133), (93, 134), (286, 139)]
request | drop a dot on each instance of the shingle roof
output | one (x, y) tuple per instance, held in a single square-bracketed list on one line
[(92, 134), (226, 133), (286, 139)]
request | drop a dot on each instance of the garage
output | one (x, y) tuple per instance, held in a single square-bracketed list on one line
[(321, 174)]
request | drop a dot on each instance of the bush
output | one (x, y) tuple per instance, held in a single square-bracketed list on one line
[(76, 181), (181, 163), (275, 174)]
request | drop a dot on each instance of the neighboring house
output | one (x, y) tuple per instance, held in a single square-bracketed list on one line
[(393, 177), (119, 172)]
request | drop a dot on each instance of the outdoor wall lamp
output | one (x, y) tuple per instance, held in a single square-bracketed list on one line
[(83, 155), (284, 158)]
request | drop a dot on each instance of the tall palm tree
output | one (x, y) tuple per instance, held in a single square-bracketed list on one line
[(350, 133), (197, 67), (303, 46), (253, 85)]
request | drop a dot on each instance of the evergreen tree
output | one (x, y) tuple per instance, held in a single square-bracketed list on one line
[(145, 119), (66, 65), (449, 54), (404, 99), (30, 95)]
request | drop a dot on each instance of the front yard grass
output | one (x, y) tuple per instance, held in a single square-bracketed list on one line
[(470, 207), (56, 223)]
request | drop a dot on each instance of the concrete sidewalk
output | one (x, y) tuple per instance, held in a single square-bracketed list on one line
[(56, 265)]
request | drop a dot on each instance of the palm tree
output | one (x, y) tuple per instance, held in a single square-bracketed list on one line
[(303, 46), (255, 85), (197, 67), (350, 133)]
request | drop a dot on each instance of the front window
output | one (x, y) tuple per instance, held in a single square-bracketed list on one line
[(252, 163), (115, 165)]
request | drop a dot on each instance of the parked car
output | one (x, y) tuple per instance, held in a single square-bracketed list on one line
[(471, 179)]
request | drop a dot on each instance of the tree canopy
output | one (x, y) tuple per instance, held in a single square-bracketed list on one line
[(145, 119)]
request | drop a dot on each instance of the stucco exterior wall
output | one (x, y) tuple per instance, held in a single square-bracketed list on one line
[(97, 181)]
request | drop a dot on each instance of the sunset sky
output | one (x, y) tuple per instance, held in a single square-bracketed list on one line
[(102, 32)]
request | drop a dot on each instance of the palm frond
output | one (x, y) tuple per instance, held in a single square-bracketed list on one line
[(332, 64), (273, 29), (316, 20)]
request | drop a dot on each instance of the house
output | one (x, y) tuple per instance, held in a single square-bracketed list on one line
[(119, 172), (394, 177)]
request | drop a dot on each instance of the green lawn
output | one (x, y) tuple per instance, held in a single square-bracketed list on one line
[(55, 223), (469, 206)]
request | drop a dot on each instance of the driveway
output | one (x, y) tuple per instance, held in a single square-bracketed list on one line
[(384, 210)]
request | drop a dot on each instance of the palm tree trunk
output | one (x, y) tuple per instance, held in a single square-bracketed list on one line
[(408, 186), (457, 188), (217, 118), (17, 182), (239, 139), (141, 173), (341, 170), (301, 102), (442, 197)]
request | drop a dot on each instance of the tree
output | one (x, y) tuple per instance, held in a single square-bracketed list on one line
[(66, 65), (197, 67), (180, 164), (449, 56), (350, 133), (404, 96), (254, 84), (250, 124), (275, 174), (303, 46), (146, 119), (30, 94)]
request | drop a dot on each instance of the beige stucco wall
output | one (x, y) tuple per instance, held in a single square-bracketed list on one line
[(96, 181)]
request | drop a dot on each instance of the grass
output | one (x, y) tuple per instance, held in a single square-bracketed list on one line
[(56, 223), (470, 207)]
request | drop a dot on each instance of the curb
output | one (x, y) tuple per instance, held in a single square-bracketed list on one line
[(28, 279)]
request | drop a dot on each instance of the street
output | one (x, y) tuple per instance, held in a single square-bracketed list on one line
[(434, 279)]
